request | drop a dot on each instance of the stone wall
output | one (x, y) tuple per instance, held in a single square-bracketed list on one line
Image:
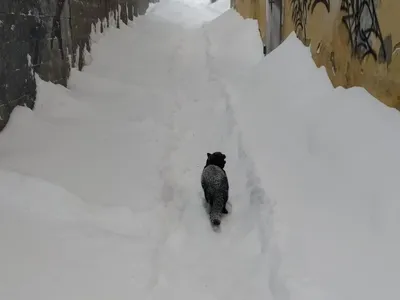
[(358, 41), (48, 37)]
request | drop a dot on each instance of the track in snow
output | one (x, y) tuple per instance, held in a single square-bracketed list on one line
[(129, 139)]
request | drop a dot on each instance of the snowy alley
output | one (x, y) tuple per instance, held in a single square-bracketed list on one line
[(100, 194)]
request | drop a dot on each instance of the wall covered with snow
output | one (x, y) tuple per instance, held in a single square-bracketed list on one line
[(49, 37), (358, 41), (254, 10)]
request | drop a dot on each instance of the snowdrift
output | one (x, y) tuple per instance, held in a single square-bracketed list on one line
[(53, 245), (234, 43), (221, 6), (100, 195), (189, 13), (329, 160), (100, 188)]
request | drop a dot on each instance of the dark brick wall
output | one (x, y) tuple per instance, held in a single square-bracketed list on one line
[(44, 37)]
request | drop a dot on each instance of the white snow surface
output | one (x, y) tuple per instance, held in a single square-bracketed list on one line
[(328, 159), (100, 194)]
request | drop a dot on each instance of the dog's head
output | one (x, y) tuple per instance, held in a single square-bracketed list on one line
[(216, 158)]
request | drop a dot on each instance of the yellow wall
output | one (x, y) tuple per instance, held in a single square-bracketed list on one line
[(337, 32)]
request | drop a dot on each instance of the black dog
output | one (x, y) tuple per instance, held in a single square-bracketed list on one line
[(215, 186)]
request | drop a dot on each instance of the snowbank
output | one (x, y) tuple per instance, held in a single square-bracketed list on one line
[(221, 6), (234, 42), (128, 141), (99, 186), (189, 13), (55, 246), (329, 159)]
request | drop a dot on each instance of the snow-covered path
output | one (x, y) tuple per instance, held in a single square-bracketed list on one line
[(100, 194), (110, 203)]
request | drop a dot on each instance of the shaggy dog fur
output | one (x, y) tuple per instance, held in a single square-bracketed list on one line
[(215, 186)]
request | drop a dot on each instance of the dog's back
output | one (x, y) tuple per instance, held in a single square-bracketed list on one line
[(215, 185)]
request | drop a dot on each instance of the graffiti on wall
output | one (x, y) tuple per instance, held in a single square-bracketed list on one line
[(314, 3), (299, 17), (363, 27), (300, 10)]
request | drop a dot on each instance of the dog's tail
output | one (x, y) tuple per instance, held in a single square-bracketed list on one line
[(215, 220), (216, 211)]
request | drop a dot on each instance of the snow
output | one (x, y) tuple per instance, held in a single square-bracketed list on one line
[(100, 194), (189, 13), (100, 184), (328, 158)]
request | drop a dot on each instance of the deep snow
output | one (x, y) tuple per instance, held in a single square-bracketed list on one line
[(100, 184), (329, 159), (100, 193)]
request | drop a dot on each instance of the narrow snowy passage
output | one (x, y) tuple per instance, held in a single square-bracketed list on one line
[(100, 194), (100, 184)]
